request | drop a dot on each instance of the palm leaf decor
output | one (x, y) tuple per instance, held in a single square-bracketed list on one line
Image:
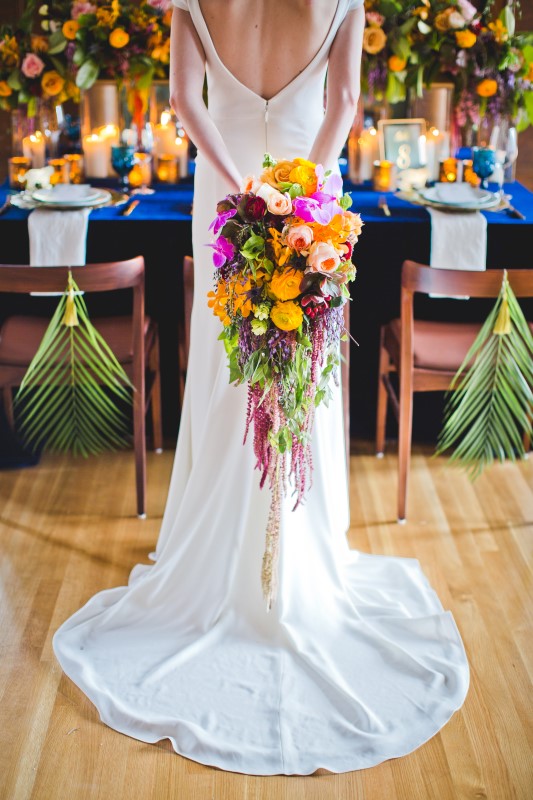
[(489, 405), (66, 402)]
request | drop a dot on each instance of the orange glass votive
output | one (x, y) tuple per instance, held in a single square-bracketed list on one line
[(75, 167), (141, 174), (448, 170), (167, 168), (468, 173), (61, 171), (18, 167), (384, 176)]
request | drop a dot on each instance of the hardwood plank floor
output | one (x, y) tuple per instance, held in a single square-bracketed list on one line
[(67, 530)]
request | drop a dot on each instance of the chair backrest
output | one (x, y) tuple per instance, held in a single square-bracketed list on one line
[(428, 280), (104, 277)]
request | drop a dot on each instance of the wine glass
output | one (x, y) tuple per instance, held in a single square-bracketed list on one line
[(484, 162), (505, 141), (122, 160)]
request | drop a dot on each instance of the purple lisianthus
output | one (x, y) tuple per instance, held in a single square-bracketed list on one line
[(221, 219), (223, 251)]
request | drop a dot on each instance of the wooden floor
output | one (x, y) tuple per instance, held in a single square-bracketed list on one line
[(67, 531)]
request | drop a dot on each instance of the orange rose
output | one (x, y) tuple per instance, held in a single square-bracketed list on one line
[(277, 174), (5, 89), (287, 316), (52, 83), (374, 40), (397, 64), (118, 38), (70, 29), (465, 39), (299, 237), (487, 88), (286, 285)]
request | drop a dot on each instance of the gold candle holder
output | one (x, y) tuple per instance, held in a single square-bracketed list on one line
[(468, 173), (75, 167), (448, 170), (60, 173), (167, 168), (141, 174), (384, 176), (17, 168)]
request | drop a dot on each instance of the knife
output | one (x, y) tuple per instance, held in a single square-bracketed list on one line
[(128, 208), (6, 204), (514, 212)]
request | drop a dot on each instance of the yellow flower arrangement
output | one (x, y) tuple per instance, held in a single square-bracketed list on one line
[(118, 38), (487, 88), (70, 29), (52, 83), (285, 285), (465, 39), (287, 316)]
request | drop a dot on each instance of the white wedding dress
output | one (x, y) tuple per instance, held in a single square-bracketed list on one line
[(357, 661)]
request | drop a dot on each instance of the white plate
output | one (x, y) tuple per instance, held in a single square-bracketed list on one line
[(98, 196), (458, 195)]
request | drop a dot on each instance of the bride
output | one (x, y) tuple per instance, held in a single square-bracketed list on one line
[(357, 661)]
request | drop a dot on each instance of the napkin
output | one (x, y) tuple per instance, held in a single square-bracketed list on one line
[(57, 239), (458, 241), (456, 193)]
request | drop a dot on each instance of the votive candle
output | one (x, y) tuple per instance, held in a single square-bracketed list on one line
[(18, 167), (141, 173), (167, 168), (60, 173), (75, 167), (384, 176), (448, 170)]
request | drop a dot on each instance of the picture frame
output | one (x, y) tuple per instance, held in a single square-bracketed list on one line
[(403, 142)]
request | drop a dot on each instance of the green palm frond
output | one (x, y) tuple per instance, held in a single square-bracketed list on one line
[(489, 405), (67, 399)]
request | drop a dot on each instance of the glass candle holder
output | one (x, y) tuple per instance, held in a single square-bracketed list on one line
[(75, 167), (469, 176), (384, 176), (17, 168), (448, 170), (141, 174), (61, 171), (167, 168)]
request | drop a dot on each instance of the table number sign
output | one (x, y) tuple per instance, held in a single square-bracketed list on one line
[(403, 142)]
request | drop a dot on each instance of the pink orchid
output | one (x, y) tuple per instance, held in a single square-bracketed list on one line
[(221, 219), (223, 251)]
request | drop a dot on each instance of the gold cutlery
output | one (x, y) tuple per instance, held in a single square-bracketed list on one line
[(126, 211), (382, 203)]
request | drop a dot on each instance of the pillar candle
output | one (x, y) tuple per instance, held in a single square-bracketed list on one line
[(368, 152), (96, 156), (33, 147), (109, 134), (182, 153)]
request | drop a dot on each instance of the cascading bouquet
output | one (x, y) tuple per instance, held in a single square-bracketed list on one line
[(282, 261)]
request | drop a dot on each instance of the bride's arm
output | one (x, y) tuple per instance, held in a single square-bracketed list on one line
[(187, 68), (343, 87)]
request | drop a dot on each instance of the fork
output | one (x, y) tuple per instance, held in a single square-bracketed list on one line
[(382, 203)]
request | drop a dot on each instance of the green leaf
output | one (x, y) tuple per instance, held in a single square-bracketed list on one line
[(14, 80), (346, 201), (253, 247), (87, 74), (57, 43), (508, 19)]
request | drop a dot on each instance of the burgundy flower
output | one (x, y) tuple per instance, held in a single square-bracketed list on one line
[(252, 208)]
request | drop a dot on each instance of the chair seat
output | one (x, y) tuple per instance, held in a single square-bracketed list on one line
[(438, 345), (20, 336)]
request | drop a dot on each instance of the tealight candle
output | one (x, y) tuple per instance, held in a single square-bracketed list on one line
[(33, 147), (96, 152), (60, 173), (75, 167), (18, 167), (448, 170), (167, 168), (141, 174), (384, 176)]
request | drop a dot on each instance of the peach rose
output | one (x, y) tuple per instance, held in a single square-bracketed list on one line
[(277, 174), (323, 257), (300, 237), (374, 40), (277, 203)]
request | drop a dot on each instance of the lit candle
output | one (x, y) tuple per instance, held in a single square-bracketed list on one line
[(165, 135), (75, 167), (182, 154), (18, 167), (437, 150), (60, 173), (33, 147), (368, 152), (384, 176), (111, 135), (448, 170), (96, 154), (141, 174), (167, 168)]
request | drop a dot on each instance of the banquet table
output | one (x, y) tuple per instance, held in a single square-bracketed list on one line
[(160, 230)]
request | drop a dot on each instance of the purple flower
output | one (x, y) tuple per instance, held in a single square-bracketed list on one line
[(331, 185), (320, 207), (223, 251), (221, 219)]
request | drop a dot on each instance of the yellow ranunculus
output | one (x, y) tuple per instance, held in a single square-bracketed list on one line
[(286, 285), (397, 64), (487, 88), (501, 34), (70, 29), (374, 40), (52, 83), (305, 176), (465, 39), (287, 316), (5, 89), (118, 38)]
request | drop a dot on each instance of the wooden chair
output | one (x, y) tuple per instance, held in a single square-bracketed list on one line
[(133, 339), (184, 338), (427, 355)]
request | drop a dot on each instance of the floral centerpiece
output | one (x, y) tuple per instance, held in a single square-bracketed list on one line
[(410, 44), (282, 261)]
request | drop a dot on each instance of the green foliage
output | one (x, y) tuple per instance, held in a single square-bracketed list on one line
[(66, 402), (490, 402)]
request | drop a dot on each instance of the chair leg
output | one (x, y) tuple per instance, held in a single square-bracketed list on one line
[(381, 412), (404, 438), (155, 403), (139, 441), (8, 405)]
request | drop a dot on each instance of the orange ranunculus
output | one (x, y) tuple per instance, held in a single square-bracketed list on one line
[(39, 44), (397, 64), (218, 301), (287, 316), (306, 177), (279, 173), (70, 29), (285, 285), (374, 40), (465, 39), (52, 83), (5, 89), (118, 38), (487, 88)]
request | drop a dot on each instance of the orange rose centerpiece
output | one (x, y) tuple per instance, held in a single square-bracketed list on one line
[(282, 257)]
